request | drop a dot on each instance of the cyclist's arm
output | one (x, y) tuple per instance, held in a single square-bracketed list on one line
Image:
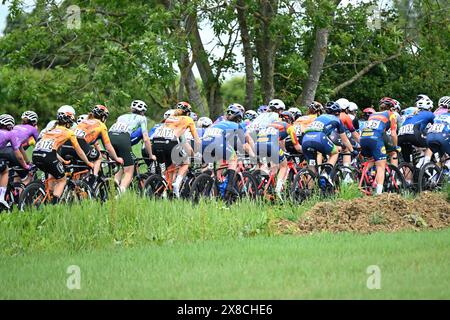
[(20, 158), (393, 120), (344, 138), (78, 150), (294, 139)]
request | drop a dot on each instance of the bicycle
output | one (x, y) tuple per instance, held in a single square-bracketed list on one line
[(432, 175), (14, 188), (38, 192)]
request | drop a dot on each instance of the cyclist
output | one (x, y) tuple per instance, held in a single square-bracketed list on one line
[(82, 117), (443, 105), (353, 114), (438, 137), (7, 137), (168, 145), (374, 138), (262, 109), (413, 131), (120, 136), (222, 140), (52, 123), (276, 106), (315, 109), (316, 139), (202, 124), (367, 112), (270, 143), (26, 134), (296, 113), (250, 115), (46, 157), (88, 132)]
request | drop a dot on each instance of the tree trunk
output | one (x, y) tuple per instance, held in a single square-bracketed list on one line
[(194, 93), (265, 46), (211, 84), (248, 54), (318, 58)]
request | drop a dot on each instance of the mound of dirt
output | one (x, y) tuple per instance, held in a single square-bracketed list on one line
[(387, 212)]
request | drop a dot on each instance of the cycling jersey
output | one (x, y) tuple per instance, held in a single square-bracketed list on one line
[(267, 142), (303, 122), (7, 139), (373, 141), (438, 138), (419, 120), (50, 126), (128, 123), (326, 123), (175, 127), (23, 132), (262, 121), (91, 130), (54, 139), (225, 137), (347, 121)]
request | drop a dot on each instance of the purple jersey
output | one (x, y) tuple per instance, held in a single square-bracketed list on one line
[(23, 132), (7, 137)]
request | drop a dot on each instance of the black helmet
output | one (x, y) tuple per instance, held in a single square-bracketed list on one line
[(287, 117), (332, 107)]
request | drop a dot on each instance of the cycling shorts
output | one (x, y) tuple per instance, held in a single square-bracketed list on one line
[(121, 143), (214, 152), (314, 142), (168, 151), (48, 162), (7, 154), (270, 150), (67, 151), (439, 142), (373, 147)]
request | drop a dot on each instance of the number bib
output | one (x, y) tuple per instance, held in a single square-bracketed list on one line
[(269, 131), (437, 128), (373, 124), (315, 126), (298, 131), (406, 129), (80, 133), (45, 145), (119, 127), (213, 132), (165, 133)]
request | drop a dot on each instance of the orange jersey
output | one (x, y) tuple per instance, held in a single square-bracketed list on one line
[(175, 126), (91, 130), (346, 121), (55, 138), (303, 122)]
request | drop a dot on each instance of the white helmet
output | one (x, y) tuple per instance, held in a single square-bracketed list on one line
[(66, 108), (31, 116), (250, 114), (353, 107), (424, 102), (7, 121), (138, 105), (277, 105), (204, 122), (81, 118), (444, 102), (169, 113), (343, 103)]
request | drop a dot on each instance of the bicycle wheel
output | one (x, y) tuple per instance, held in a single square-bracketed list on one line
[(204, 186), (33, 196), (408, 172), (304, 185), (105, 188), (155, 187), (186, 185), (76, 192), (394, 181), (261, 178), (13, 192), (246, 186), (430, 177), (344, 175)]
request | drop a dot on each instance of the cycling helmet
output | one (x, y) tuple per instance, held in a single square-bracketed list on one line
[(204, 122), (185, 107), (66, 108), (82, 117), (7, 121), (397, 107), (444, 102), (194, 116), (234, 113), (277, 105), (387, 103), (240, 107), (343, 103), (316, 107), (250, 115), (100, 112), (138, 106), (287, 116), (332, 107), (66, 117), (353, 107), (295, 112), (262, 109), (424, 102), (369, 111), (169, 113), (31, 116)]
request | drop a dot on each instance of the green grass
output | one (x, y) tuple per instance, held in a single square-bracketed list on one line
[(324, 266)]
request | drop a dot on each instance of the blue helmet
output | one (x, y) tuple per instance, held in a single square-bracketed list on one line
[(262, 109), (332, 107), (234, 113)]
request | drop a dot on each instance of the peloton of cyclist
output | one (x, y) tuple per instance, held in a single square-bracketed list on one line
[(46, 157)]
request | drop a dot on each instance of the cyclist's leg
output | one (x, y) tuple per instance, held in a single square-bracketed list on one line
[(178, 156), (4, 175)]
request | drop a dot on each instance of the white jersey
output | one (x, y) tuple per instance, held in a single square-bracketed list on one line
[(262, 121), (128, 123)]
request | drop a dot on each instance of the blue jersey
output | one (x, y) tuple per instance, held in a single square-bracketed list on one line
[(379, 123), (421, 119), (136, 135), (224, 130), (441, 124), (326, 123)]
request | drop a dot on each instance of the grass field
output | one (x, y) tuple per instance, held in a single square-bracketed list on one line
[(138, 248), (323, 266)]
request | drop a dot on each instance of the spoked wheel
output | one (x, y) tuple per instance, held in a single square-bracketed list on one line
[(394, 181), (13, 193), (430, 177), (155, 187), (409, 173), (261, 177), (246, 186), (105, 189), (344, 175), (204, 186), (76, 192), (187, 185), (33, 196), (304, 185)]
